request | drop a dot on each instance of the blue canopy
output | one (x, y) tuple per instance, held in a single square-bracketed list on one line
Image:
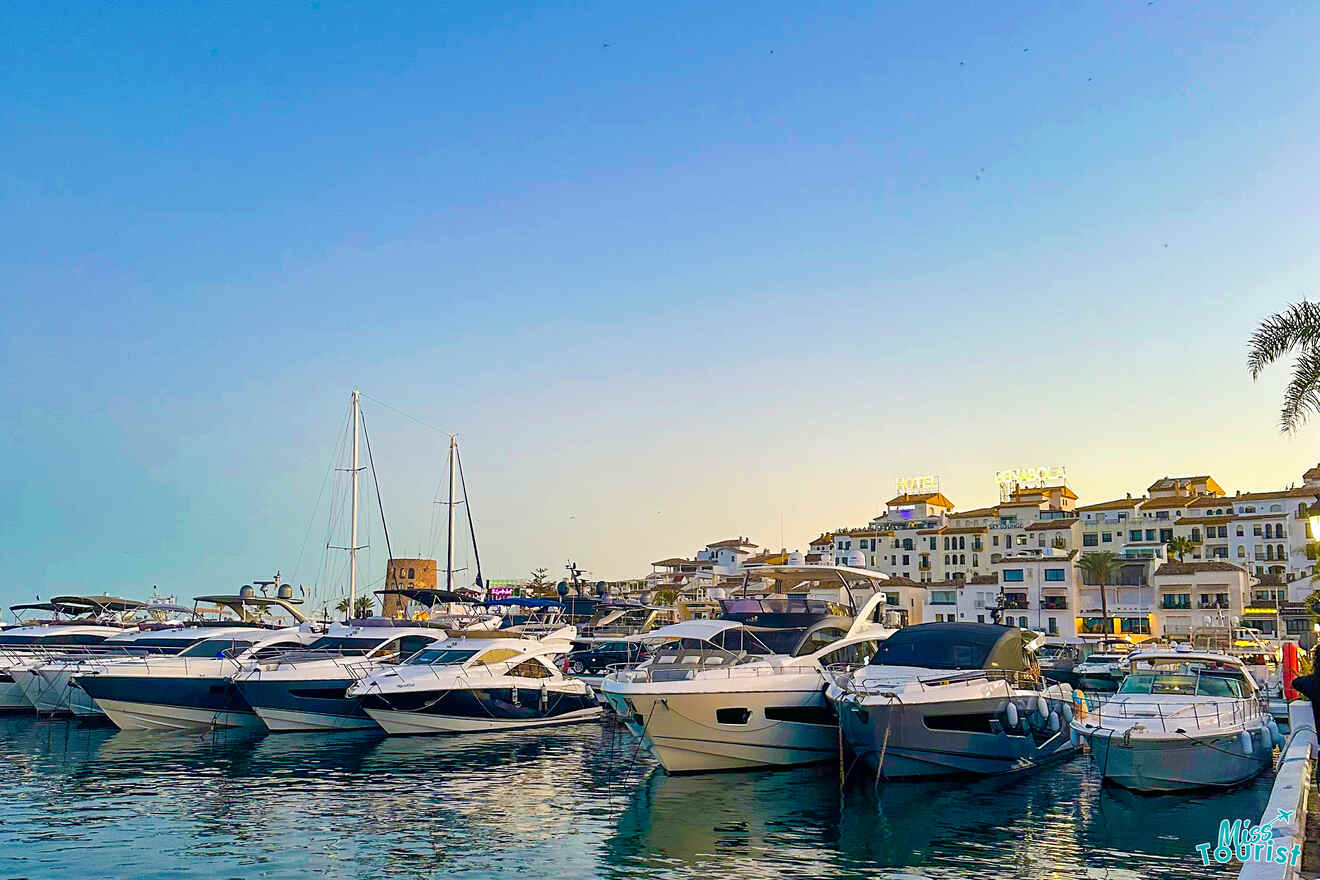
[(525, 603)]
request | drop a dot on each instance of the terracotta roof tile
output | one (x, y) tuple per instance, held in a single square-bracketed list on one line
[(1116, 504), (920, 498)]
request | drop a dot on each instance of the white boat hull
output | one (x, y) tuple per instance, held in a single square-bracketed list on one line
[(1180, 762), (403, 723), (290, 721), (682, 730), (152, 716)]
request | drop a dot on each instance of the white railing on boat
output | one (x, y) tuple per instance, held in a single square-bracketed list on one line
[(1207, 714), (845, 679)]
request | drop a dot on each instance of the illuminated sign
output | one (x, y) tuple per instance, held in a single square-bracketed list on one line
[(915, 485), (1033, 477)]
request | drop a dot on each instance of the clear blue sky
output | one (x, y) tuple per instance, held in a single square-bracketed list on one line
[(744, 263)]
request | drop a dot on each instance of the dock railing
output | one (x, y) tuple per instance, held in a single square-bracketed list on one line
[(1292, 785)]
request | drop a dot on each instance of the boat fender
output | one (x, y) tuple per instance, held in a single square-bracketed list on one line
[(1042, 707), (1010, 716), (1074, 737), (1245, 738), (1054, 722), (1067, 713), (1276, 735)]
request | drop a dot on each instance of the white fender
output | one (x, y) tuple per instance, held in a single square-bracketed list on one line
[(1054, 721), (1074, 737), (1042, 707), (1245, 738), (1067, 713), (1011, 715)]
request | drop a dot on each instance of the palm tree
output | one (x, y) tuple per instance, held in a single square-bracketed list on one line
[(342, 606), (1295, 330), (1182, 546), (363, 606), (1101, 567)]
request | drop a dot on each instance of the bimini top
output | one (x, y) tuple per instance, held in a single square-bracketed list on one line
[(429, 598), (957, 646), (98, 603), (702, 630)]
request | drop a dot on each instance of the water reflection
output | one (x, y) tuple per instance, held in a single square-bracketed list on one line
[(568, 802)]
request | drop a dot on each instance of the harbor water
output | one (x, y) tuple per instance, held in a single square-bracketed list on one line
[(563, 803)]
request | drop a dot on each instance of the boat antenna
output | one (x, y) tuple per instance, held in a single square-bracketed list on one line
[(380, 504), (472, 530)]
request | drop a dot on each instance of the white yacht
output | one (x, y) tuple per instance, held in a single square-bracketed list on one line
[(78, 623), (305, 690), (949, 699), (1181, 720), (46, 680), (194, 689), (746, 690), (477, 682)]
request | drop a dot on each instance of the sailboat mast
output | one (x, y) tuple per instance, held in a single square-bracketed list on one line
[(352, 539), (449, 548)]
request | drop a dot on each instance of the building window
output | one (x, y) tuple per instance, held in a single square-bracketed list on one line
[(1054, 574), (1134, 535), (1090, 541), (1013, 575), (1022, 622), (1107, 538), (413, 574), (1150, 534), (1053, 626), (1240, 532)]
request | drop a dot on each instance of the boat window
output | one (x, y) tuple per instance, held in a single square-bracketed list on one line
[(856, 654), (497, 655), (440, 657), (341, 645), (732, 716), (818, 639), (531, 669), (18, 640), (217, 648), (265, 652), (1212, 685)]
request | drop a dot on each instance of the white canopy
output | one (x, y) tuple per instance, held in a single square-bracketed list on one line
[(704, 630)]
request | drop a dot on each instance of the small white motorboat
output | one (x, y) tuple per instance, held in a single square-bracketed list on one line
[(1181, 720)]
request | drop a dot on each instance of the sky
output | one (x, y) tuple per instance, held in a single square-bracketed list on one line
[(673, 274)]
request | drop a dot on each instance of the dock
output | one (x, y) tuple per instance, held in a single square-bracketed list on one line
[(1293, 786)]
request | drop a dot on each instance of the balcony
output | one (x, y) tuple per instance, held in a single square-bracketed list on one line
[(1054, 603), (1015, 602), (1211, 606), (1169, 604)]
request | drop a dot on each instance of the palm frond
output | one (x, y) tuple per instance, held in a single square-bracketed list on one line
[(1280, 333), (1301, 398)]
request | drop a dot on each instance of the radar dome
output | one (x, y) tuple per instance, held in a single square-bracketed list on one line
[(796, 558), (562, 588), (285, 591), (856, 559), (247, 591)]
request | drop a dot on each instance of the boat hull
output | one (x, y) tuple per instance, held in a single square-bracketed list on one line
[(686, 735), (1178, 763), (418, 723), (302, 706), (471, 710), (952, 738), (11, 695), (169, 702)]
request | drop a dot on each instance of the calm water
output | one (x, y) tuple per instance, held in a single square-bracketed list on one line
[(560, 804)]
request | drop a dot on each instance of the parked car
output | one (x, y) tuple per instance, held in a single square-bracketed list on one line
[(595, 658)]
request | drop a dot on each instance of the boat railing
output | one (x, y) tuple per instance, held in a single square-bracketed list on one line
[(1173, 717), (645, 673), (846, 679), (15, 654)]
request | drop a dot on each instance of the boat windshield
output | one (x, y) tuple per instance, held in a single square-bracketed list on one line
[(218, 648), (61, 639), (440, 657), (343, 645), (1183, 684)]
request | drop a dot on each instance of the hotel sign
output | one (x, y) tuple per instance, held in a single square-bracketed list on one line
[(917, 485), (1032, 477)]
